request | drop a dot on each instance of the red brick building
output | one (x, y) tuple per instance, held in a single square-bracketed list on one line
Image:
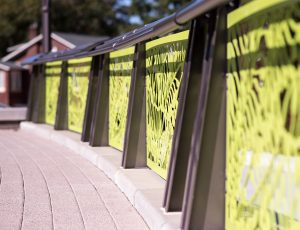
[(14, 79)]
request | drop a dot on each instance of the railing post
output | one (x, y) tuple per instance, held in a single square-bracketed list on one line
[(135, 135), (32, 91), (189, 91), (38, 114), (204, 199), (91, 98), (61, 118), (99, 127)]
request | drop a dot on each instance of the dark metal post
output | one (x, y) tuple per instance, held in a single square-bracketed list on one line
[(91, 98), (204, 200), (135, 135), (46, 17), (32, 91), (61, 118), (99, 127), (190, 88), (38, 114)]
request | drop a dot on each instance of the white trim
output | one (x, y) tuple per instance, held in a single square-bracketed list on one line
[(62, 41), (3, 81), (13, 48), (34, 41), (22, 48), (4, 67)]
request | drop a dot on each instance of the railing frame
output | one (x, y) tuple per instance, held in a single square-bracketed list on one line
[(31, 93), (38, 113), (61, 119), (204, 199), (189, 91), (91, 98), (196, 177), (99, 126), (134, 154)]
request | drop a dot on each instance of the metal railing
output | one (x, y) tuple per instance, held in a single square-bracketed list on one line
[(148, 31), (182, 108)]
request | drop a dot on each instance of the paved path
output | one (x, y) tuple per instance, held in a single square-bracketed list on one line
[(46, 186)]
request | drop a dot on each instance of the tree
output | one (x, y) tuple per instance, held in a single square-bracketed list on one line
[(15, 18), (94, 17), (146, 11), (85, 16)]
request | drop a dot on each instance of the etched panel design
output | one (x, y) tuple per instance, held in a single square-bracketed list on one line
[(263, 116), (164, 68), (78, 78), (120, 67), (52, 74)]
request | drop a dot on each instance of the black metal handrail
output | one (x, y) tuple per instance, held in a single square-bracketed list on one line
[(144, 33)]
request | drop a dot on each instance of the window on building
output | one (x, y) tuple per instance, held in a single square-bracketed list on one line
[(2, 82), (16, 81)]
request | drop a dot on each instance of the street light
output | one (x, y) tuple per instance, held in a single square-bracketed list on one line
[(46, 18)]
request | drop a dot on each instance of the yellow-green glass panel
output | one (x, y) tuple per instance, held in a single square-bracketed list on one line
[(120, 67), (52, 81), (164, 68), (78, 79), (263, 116)]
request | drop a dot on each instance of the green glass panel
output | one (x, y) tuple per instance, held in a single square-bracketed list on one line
[(119, 84), (164, 69), (263, 116), (52, 74), (78, 79)]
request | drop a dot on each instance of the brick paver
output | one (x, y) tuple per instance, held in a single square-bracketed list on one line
[(46, 186)]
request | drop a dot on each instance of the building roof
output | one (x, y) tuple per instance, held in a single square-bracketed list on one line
[(22, 48), (80, 39), (13, 48), (67, 39), (7, 66)]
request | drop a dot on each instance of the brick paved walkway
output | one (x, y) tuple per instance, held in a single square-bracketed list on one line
[(46, 186)]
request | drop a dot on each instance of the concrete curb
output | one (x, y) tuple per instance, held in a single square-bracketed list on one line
[(13, 114), (143, 188)]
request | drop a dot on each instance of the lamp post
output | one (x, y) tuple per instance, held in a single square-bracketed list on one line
[(46, 28)]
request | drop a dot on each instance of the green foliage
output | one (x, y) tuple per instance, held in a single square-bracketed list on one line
[(93, 17), (150, 10), (15, 18), (84, 16)]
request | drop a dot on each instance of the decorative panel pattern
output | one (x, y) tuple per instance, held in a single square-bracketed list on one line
[(263, 116), (78, 78), (120, 67), (52, 74), (164, 68)]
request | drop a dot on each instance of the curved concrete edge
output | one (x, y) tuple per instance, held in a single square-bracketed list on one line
[(13, 114), (143, 188)]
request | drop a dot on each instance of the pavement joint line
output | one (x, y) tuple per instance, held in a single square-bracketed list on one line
[(54, 163), (84, 175), (38, 167), (68, 182), (99, 195), (140, 201), (18, 165), (67, 155)]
